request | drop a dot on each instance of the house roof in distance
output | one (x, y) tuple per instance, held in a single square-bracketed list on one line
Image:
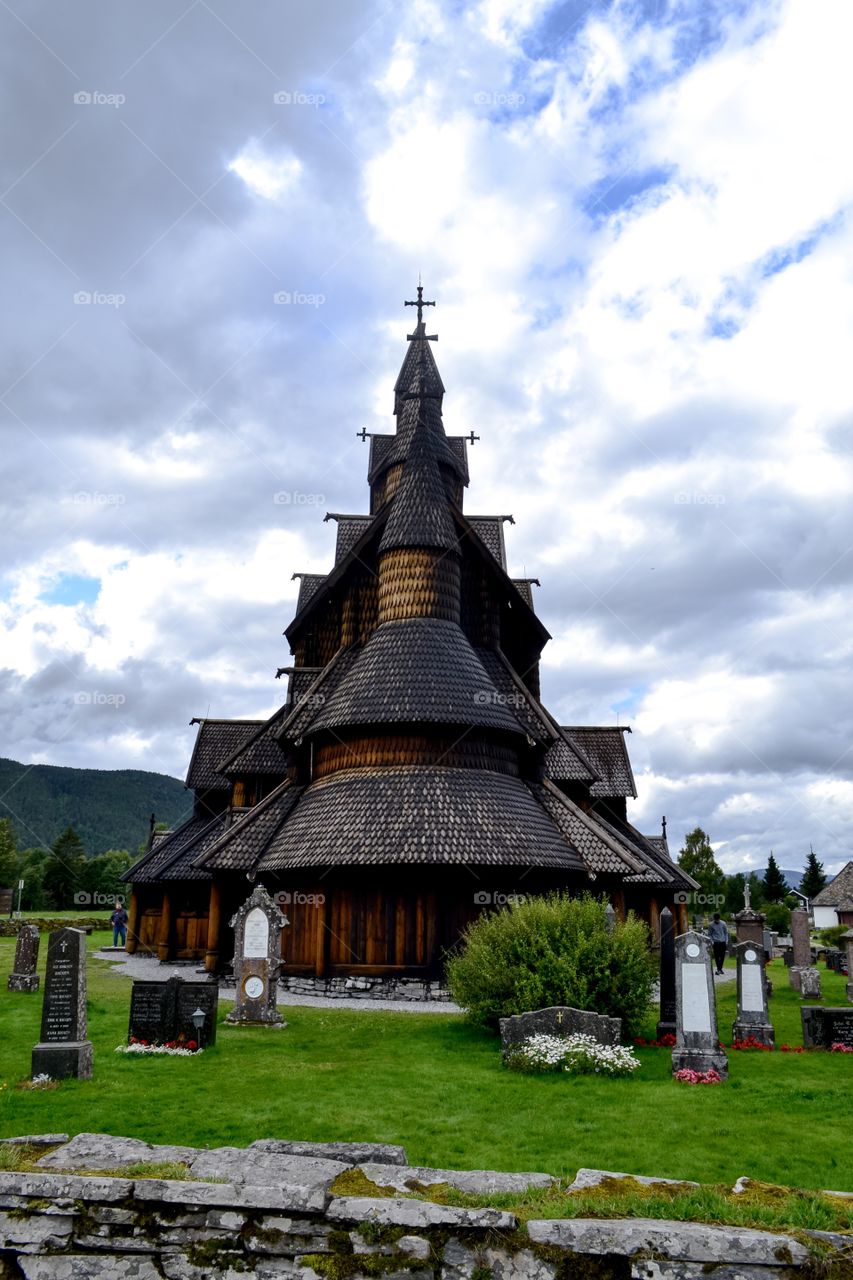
[(839, 888)]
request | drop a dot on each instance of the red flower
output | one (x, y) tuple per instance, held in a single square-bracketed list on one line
[(192, 1044)]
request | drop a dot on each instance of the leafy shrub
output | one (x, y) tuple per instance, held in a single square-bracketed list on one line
[(549, 951), (777, 917), (833, 937)]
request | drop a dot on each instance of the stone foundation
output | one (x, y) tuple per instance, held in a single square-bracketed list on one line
[(279, 1214), (366, 988)]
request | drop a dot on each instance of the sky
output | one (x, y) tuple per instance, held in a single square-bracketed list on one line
[(634, 216)]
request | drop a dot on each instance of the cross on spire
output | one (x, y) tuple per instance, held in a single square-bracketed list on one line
[(420, 304)]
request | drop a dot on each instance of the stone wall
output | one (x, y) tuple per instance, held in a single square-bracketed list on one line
[(366, 988), (46, 924), (282, 1212)]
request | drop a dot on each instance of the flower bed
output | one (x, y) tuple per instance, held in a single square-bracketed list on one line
[(578, 1054), (687, 1076), (174, 1048)]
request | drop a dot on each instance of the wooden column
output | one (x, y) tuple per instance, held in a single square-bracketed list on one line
[(654, 921), (132, 923), (165, 928), (324, 915), (619, 903), (211, 959), (682, 923)]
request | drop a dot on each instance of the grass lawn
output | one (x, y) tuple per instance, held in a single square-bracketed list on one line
[(436, 1085)]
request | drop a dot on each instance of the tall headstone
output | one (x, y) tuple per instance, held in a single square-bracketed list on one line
[(666, 1025), (803, 977), (24, 977), (752, 1018), (697, 1043), (63, 1049), (847, 939), (257, 960)]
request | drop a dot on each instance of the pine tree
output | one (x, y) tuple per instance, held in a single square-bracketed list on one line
[(697, 859), (775, 885), (63, 870), (8, 854), (814, 876)]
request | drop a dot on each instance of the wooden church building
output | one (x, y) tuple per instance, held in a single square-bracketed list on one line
[(412, 779)]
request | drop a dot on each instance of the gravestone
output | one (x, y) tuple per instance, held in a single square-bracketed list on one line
[(749, 924), (803, 977), (162, 1012), (824, 1026), (847, 939), (752, 1016), (666, 1025), (697, 1046), (559, 1020), (257, 960), (24, 977), (63, 1049)]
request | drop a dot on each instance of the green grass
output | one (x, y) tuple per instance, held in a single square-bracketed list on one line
[(436, 1085)]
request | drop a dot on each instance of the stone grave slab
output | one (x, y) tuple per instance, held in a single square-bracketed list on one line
[(23, 976), (752, 1018), (63, 1049), (823, 1026), (697, 1046), (257, 961), (193, 996), (559, 1020), (161, 1012)]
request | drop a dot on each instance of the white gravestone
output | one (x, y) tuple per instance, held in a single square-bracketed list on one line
[(697, 1045), (753, 1019)]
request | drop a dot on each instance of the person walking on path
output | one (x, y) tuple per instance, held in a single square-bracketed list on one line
[(719, 933), (118, 920)]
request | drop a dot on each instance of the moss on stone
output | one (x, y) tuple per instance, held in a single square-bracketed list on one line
[(355, 1182)]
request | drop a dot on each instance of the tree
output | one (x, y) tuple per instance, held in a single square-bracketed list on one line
[(697, 859), (31, 870), (775, 886), (735, 885), (8, 854), (64, 869), (814, 876)]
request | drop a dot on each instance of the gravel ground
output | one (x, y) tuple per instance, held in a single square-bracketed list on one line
[(150, 969)]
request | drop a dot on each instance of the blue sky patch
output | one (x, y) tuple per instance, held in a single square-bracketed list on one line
[(72, 588)]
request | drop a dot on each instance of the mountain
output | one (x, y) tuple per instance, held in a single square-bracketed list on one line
[(109, 808), (792, 878)]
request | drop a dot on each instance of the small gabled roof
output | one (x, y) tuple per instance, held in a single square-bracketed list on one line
[(314, 694), (659, 866), (605, 747), (173, 858), (834, 893), (364, 817), (350, 529), (261, 752), (490, 531), (602, 851), (216, 741), (416, 670), (308, 584), (240, 846)]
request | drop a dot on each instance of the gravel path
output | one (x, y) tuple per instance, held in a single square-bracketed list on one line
[(150, 969)]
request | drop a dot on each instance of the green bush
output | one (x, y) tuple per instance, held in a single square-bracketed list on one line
[(833, 936), (553, 950), (777, 917)]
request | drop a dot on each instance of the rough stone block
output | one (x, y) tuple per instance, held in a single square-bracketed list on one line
[(586, 1178), (32, 1234), (417, 1214), (103, 1151), (86, 1267), (239, 1165), (678, 1241), (65, 1187), (348, 1152), (473, 1181), (226, 1195)]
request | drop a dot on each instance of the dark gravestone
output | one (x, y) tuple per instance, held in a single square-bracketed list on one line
[(845, 963), (63, 1049), (257, 960), (152, 1011), (162, 1012), (823, 1026), (24, 977), (666, 1025), (559, 1021), (752, 1019), (697, 1045)]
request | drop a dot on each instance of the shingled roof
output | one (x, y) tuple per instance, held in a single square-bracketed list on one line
[(172, 858), (216, 741), (419, 815), (606, 749), (420, 511), (240, 846), (261, 753), (350, 529), (602, 852), (413, 670), (490, 531), (309, 583), (834, 893)]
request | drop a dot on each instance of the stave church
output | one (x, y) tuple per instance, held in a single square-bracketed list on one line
[(412, 777)]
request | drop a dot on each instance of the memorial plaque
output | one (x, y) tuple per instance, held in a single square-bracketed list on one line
[(191, 997), (152, 1011), (752, 1020), (24, 977), (63, 1049), (697, 1045), (825, 1026), (257, 961)]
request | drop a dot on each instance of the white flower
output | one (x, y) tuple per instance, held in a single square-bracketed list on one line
[(578, 1053)]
